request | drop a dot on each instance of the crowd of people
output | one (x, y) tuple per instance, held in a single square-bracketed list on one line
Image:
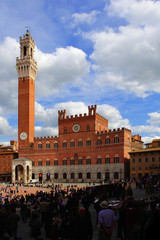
[(66, 215)]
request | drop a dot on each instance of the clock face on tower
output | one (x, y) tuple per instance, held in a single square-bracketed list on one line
[(76, 128), (23, 135)]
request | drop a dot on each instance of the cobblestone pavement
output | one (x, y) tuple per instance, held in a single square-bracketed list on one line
[(24, 229)]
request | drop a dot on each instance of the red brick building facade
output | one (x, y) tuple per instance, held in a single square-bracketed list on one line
[(7, 154), (85, 150)]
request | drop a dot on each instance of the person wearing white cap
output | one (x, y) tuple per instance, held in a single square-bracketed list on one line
[(106, 221)]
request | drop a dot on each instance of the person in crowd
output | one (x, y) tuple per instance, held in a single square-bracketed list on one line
[(152, 223), (12, 224), (82, 225), (35, 225), (106, 221), (132, 221)]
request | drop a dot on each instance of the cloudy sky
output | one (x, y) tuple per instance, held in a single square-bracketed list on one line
[(103, 52)]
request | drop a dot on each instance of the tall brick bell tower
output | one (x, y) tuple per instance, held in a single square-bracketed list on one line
[(27, 70)]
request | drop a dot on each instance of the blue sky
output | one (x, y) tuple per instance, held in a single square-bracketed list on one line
[(88, 52)]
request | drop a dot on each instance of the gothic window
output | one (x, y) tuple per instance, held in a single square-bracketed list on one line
[(88, 175), (72, 162), (88, 142), (98, 175), (33, 163), (47, 162), (39, 145), (80, 143), (107, 159), (56, 176), (64, 144), (88, 161), (40, 162), (116, 159), (72, 143), (64, 162), (79, 161), (99, 142), (64, 175), (107, 141), (65, 130), (72, 175), (56, 162), (47, 144), (99, 160), (116, 175), (79, 175), (56, 144), (116, 140)]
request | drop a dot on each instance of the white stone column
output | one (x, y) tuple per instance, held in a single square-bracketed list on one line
[(13, 174), (25, 175)]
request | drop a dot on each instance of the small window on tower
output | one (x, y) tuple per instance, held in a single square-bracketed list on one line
[(25, 50)]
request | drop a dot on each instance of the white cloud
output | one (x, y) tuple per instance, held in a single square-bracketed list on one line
[(9, 50), (6, 129), (84, 18), (127, 58), (114, 117), (154, 118), (66, 65), (138, 13), (149, 139), (45, 131)]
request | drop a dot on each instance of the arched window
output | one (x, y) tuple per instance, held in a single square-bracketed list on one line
[(72, 162), (107, 141), (64, 161), (98, 175), (88, 160), (116, 139), (88, 175), (80, 162), (40, 162), (116, 158), (64, 175), (56, 176), (88, 142), (56, 161), (99, 160), (47, 144), (33, 163), (47, 162), (99, 142), (80, 143), (55, 144), (80, 175), (39, 145), (107, 159), (64, 144), (72, 143), (72, 175), (116, 175)]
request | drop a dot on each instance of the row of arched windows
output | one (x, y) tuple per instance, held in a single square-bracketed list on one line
[(80, 143), (79, 161), (81, 175)]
